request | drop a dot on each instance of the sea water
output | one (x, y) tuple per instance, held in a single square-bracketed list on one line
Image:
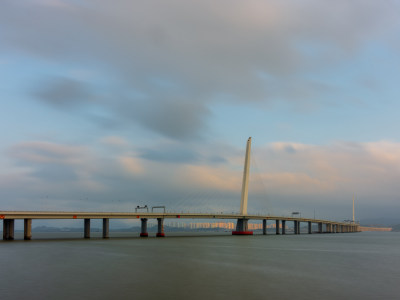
[(214, 266)]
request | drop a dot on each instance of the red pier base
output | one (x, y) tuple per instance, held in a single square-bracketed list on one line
[(144, 234), (160, 234), (242, 232)]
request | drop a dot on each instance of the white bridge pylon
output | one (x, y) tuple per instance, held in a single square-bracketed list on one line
[(245, 183), (242, 223)]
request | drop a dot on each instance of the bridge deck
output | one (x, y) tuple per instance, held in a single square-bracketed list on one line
[(148, 215)]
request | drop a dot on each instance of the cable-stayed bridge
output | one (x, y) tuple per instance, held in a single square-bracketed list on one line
[(242, 217)]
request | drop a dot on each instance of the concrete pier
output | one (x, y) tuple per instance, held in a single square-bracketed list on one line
[(241, 225), (309, 227), (106, 228), (86, 229), (295, 227), (298, 227), (264, 227), (143, 231), (8, 229), (277, 226), (319, 227), (242, 228), (27, 229), (160, 227), (283, 226)]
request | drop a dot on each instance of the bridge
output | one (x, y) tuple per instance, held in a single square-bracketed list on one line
[(324, 226)]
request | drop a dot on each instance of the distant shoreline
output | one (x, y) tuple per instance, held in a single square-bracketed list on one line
[(365, 228)]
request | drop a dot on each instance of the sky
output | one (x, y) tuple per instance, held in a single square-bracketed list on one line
[(106, 105)]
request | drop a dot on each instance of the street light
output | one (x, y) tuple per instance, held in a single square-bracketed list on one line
[(296, 213)]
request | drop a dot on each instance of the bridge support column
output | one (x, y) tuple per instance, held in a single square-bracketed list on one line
[(86, 229), (277, 226), (242, 228), (319, 227), (143, 231), (295, 227), (8, 229), (309, 227), (283, 226), (27, 229), (298, 227), (264, 227), (327, 228), (337, 228), (160, 227), (106, 228)]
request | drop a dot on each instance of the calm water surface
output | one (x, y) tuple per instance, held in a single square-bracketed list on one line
[(328, 266)]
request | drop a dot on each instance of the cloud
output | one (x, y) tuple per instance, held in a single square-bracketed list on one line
[(115, 141), (131, 164), (178, 119), (209, 177), (63, 92), (55, 166), (174, 60), (47, 152), (364, 168), (170, 153)]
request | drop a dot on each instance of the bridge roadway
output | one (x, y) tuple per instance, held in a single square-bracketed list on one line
[(280, 221)]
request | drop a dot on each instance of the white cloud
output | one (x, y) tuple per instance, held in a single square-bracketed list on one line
[(181, 56)]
